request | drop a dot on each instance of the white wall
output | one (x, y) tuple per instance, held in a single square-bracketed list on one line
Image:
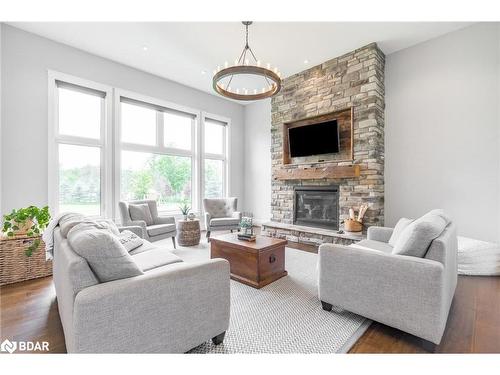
[(258, 160), (442, 130), (25, 61)]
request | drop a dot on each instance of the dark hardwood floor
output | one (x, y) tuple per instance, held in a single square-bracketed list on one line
[(29, 313)]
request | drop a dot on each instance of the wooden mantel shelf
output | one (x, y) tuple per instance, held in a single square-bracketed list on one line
[(314, 173)]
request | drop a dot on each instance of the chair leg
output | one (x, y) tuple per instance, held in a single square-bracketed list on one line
[(217, 340), (208, 236), (429, 346), (326, 306), (231, 230), (173, 241)]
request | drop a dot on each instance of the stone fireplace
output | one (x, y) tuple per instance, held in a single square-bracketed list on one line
[(349, 88), (316, 206)]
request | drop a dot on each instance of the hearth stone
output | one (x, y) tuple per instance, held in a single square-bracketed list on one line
[(308, 235)]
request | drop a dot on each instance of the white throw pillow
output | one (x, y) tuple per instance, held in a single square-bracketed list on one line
[(106, 256), (398, 229), (417, 237), (141, 212), (130, 240)]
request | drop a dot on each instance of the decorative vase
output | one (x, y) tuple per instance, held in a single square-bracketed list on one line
[(185, 217), (191, 216)]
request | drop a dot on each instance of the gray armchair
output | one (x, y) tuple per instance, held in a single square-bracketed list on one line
[(221, 214), (161, 226), (405, 292)]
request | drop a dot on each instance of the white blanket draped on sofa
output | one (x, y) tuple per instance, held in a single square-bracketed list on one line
[(477, 257)]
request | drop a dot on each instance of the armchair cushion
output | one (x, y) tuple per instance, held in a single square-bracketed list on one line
[(103, 251), (141, 212), (156, 230), (129, 240), (148, 260), (398, 229), (373, 246), (225, 221), (417, 237)]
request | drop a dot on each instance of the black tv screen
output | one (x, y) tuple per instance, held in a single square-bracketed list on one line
[(322, 138)]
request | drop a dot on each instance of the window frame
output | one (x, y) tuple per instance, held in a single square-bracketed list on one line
[(159, 149), (55, 139), (224, 157)]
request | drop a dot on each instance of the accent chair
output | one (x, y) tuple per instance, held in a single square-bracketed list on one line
[(412, 293), (144, 213), (221, 214)]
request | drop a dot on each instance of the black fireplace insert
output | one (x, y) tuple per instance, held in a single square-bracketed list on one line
[(316, 206)]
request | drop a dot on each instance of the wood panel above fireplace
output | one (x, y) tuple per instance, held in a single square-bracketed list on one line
[(344, 120)]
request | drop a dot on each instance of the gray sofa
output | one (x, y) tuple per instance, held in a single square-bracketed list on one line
[(405, 292), (161, 227), (171, 308), (221, 214)]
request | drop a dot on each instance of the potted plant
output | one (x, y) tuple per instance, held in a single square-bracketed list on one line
[(29, 221), (185, 210)]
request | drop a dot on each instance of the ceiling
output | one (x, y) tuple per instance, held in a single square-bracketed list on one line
[(189, 52)]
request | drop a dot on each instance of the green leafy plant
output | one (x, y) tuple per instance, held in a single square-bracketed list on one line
[(34, 217), (185, 209)]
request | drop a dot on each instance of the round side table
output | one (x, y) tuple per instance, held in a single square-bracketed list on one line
[(188, 232)]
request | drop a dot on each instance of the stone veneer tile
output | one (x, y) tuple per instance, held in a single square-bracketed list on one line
[(354, 79)]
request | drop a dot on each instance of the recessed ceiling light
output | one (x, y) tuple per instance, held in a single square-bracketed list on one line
[(144, 48), (306, 61), (203, 72)]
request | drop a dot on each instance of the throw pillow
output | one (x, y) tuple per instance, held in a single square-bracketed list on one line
[(417, 236), (439, 212), (106, 256), (130, 240), (141, 212), (398, 229), (68, 220)]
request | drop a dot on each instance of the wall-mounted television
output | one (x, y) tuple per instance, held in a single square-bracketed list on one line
[(315, 139)]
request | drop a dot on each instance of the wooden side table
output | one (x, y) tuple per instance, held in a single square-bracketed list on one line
[(188, 232)]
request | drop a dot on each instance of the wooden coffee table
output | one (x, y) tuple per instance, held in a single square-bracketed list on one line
[(252, 263)]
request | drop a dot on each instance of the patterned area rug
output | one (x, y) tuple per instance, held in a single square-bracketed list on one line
[(284, 316)]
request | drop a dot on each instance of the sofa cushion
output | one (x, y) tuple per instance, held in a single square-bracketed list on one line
[(141, 212), (146, 246), (154, 258), (106, 256), (156, 230), (417, 237), (398, 229), (130, 240), (226, 221), (373, 245)]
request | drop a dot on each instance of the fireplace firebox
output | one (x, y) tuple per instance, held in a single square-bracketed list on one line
[(316, 206)]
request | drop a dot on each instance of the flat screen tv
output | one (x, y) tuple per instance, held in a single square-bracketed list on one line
[(316, 139)]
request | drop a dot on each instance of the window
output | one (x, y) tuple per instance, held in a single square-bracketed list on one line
[(153, 150), (77, 146), (165, 178), (161, 164), (215, 158)]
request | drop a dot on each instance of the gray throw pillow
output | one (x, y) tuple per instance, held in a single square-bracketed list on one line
[(130, 240), (398, 229), (141, 212), (106, 256), (417, 236), (68, 221)]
